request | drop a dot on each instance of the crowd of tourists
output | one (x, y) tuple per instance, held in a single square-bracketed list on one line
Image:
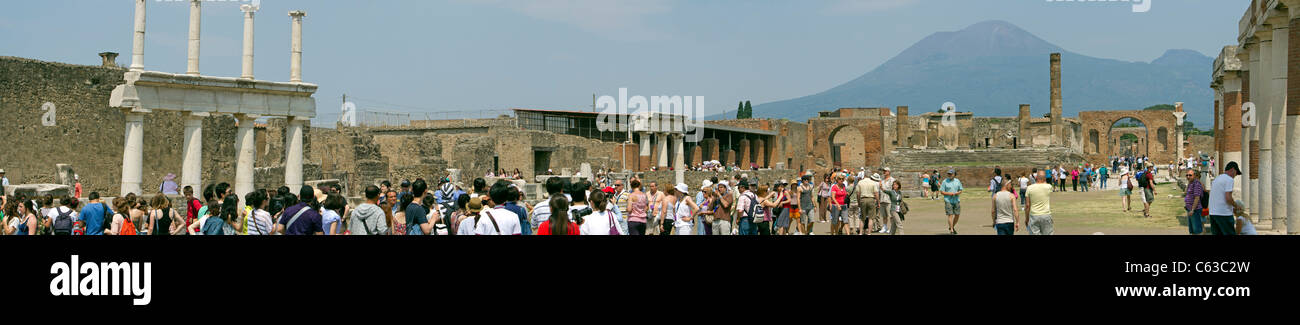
[(852, 203)]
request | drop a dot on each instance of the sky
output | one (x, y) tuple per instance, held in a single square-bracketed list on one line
[(471, 58)]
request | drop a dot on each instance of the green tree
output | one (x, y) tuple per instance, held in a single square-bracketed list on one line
[(1161, 107), (749, 110), (740, 110)]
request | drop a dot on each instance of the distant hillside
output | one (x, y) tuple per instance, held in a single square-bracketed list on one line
[(991, 67)]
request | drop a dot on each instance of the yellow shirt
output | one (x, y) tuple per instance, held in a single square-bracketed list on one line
[(1040, 196)]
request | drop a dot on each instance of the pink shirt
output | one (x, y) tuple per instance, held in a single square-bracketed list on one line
[(636, 207)]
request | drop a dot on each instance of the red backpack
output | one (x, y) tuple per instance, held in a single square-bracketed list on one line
[(128, 228)]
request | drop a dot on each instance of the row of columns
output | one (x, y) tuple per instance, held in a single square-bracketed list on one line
[(708, 149), (1266, 84), (192, 148)]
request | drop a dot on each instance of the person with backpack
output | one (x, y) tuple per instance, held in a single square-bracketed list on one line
[(122, 224), (417, 217), (896, 208), (995, 184), (368, 218), (163, 220), (296, 220), (96, 215), (498, 220), (683, 210), (1148, 184), (332, 214), (1192, 202), (745, 210), (259, 221), (63, 218)]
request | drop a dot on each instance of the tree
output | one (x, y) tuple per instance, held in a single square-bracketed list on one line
[(740, 110), (749, 110), (1161, 107)]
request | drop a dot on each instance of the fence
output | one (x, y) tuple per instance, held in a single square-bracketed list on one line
[(373, 118)]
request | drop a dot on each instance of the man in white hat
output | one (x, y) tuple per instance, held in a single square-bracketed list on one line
[(868, 192)]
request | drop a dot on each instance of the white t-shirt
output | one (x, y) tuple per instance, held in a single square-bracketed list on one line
[(53, 213), (506, 220), (683, 210), (1218, 205), (597, 223), (466, 227), (1024, 182)]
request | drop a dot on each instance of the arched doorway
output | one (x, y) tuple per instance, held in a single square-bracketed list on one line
[(1128, 137), (847, 147)]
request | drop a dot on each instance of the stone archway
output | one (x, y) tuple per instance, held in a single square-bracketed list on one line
[(847, 147), (1138, 133), (1149, 140)]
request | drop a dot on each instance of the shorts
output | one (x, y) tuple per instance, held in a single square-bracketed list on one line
[(866, 210), (839, 214), (1148, 195), (952, 208), (807, 216), (1125, 192)]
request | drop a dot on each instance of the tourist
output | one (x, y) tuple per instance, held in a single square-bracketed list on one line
[(418, 221), (745, 209), (62, 218), (302, 218), (513, 205), (951, 190), (1126, 185), (893, 210), (995, 184), (1074, 179), (723, 209), (137, 213), (925, 185), (473, 211), (683, 210), (499, 220), (76, 186), (480, 188), (554, 187), (1146, 180), (763, 213), (703, 199), (259, 221), (850, 187), (367, 218), (1222, 209), (1244, 226), (781, 213), (1084, 176), (26, 222), (95, 215), (1050, 178), (332, 215), (1005, 218), (396, 211), (638, 205), (601, 221), (557, 222), (1024, 185), (163, 220), (168, 185), (655, 204), (1192, 203), (934, 184), (1103, 174), (4, 181), (839, 205), (1038, 207), (824, 196), (192, 205)]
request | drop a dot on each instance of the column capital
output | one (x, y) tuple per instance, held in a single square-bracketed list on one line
[(297, 14), (249, 9), (246, 117)]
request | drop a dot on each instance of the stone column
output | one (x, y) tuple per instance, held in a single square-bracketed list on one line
[(1277, 102), (1249, 55), (133, 154), (1057, 131), (662, 138), (137, 43), (245, 155), (679, 152), (1262, 116), (713, 149), (249, 11), (1292, 92), (295, 56), (902, 128), (196, 13), (1023, 137), (293, 153), (1179, 114), (760, 153), (192, 156)]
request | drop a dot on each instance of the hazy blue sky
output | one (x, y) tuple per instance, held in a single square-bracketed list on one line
[(470, 55)]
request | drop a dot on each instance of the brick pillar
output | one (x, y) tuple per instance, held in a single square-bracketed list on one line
[(742, 154), (902, 128), (1057, 131), (727, 156), (713, 149), (1024, 139), (760, 153), (697, 153)]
